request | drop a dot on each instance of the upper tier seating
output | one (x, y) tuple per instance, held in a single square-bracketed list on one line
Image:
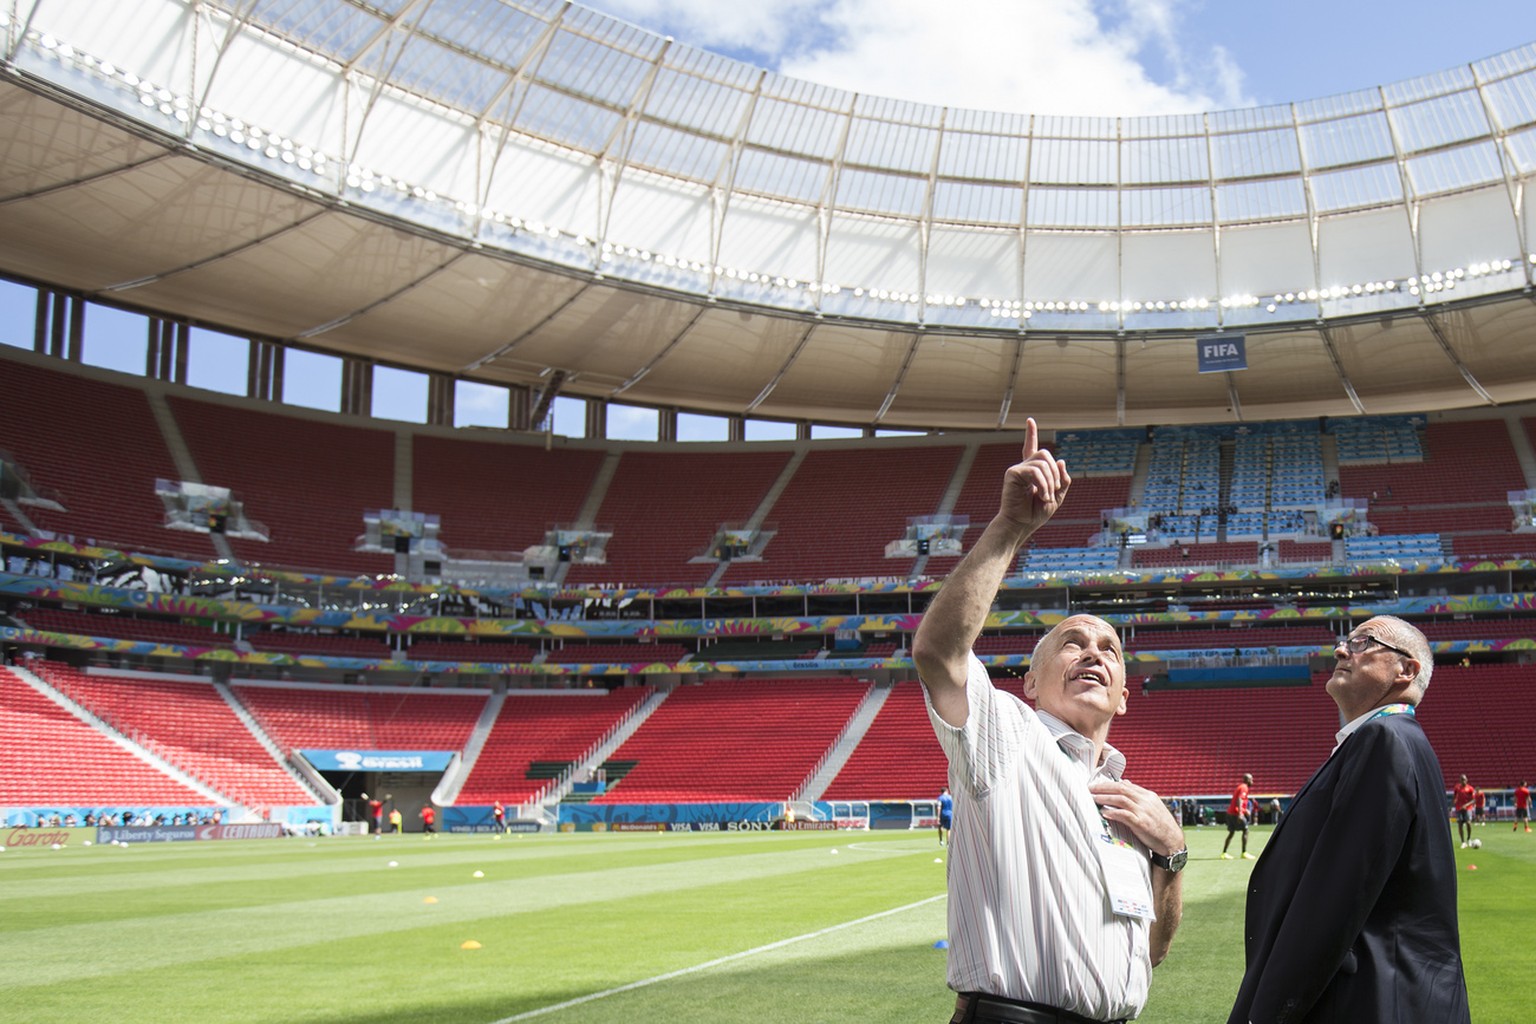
[(665, 508), (124, 627), (1228, 636), (283, 467), (472, 651), (330, 717), (1372, 440), (1465, 463), (1494, 545), (499, 498), (1070, 560), (735, 739), (843, 506), (50, 757), (617, 654), (1231, 553), (1413, 547), (321, 644), (189, 725), (1075, 523), (99, 447), (551, 727)]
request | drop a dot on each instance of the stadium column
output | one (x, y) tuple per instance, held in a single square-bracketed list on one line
[(597, 417), (519, 407), (59, 330), (357, 387), (440, 395), (264, 373), (165, 357)]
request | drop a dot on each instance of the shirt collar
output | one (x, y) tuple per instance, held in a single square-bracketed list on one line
[(1080, 747), (1350, 729)]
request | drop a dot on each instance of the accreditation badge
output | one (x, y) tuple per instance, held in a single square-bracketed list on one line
[(1128, 877)]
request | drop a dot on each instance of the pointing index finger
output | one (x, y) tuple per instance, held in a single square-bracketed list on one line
[(1031, 437)]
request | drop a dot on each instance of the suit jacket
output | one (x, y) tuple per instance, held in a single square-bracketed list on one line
[(1352, 905)]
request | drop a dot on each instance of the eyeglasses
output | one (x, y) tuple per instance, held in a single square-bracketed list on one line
[(1362, 643)]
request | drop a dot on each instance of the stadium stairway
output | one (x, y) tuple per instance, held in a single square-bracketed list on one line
[(452, 782), (176, 446), (586, 518), (605, 747), (846, 744), (142, 753), (760, 515), (310, 780)]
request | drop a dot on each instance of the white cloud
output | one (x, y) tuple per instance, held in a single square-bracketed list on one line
[(1029, 56)]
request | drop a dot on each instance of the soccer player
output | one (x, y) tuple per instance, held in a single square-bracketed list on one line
[(1238, 817), (428, 821), (1523, 806), (946, 812), (500, 814), (1462, 798)]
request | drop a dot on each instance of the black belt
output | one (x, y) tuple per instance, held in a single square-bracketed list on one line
[(980, 1008)]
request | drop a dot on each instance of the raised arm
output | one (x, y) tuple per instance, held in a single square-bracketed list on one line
[(1033, 489)]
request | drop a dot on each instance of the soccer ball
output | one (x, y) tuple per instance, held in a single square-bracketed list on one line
[(1476, 844)]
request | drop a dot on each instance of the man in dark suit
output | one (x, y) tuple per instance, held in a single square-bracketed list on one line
[(1352, 905)]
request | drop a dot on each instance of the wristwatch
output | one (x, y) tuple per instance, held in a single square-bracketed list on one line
[(1173, 863)]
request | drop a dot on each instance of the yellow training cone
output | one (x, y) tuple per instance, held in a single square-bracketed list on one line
[(469, 944), (430, 899)]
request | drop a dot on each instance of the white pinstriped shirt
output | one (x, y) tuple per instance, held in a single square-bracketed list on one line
[(1029, 911)]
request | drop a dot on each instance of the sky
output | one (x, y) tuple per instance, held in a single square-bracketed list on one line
[(1093, 57), (1067, 57)]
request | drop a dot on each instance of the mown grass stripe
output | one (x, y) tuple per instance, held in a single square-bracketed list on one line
[(717, 962)]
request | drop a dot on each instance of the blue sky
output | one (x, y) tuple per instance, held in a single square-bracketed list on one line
[(1094, 57), (1099, 57)]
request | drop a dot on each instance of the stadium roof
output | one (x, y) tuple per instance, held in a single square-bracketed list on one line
[(531, 193)]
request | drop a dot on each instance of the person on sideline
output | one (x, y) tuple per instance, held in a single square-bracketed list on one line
[(1064, 886), (946, 814), (396, 821), (1522, 806), (1238, 817), (1352, 904), (1463, 795)]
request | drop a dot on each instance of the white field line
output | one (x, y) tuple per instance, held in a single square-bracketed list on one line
[(744, 954)]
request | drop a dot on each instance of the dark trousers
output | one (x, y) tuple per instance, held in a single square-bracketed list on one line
[(980, 1008)]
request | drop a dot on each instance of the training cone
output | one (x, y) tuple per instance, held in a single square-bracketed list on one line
[(429, 899), (938, 860), (1471, 867), (479, 874), (469, 944), (941, 944)]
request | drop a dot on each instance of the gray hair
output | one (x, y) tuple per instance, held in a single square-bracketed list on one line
[(1408, 636)]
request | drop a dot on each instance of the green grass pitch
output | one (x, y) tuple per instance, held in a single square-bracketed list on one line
[(589, 927)]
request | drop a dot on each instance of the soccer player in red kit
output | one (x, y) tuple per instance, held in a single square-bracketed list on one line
[(1237, 818), (1523, 806), (1462, 798)]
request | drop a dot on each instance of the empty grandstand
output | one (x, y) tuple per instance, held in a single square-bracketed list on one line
[(238, 606)]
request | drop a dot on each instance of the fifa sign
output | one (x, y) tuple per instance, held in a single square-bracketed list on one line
[(1217, 353)]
